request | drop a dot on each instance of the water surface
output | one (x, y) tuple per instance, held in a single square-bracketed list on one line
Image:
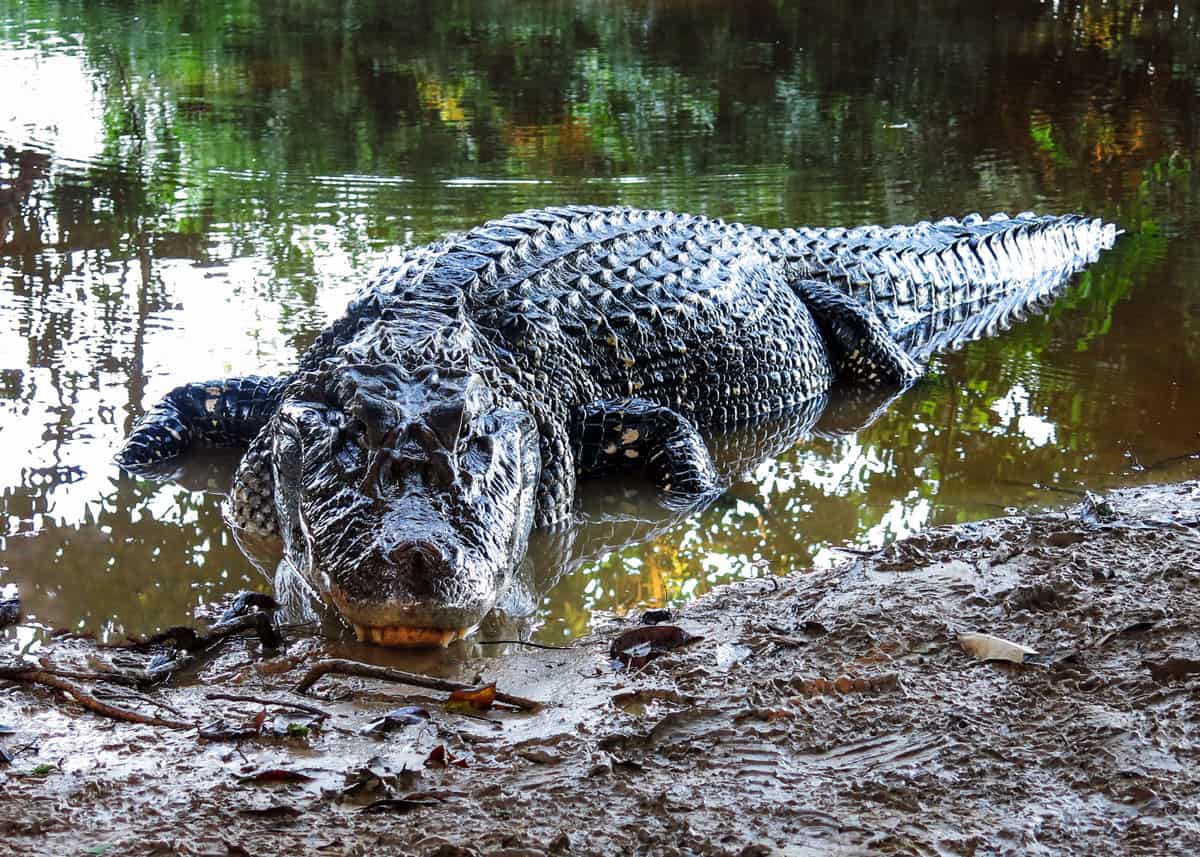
[(192, 191)]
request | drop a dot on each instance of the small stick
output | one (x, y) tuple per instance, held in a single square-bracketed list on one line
[(119, 677), (299, 706), (121, 693), (357, 668), (39, 676)]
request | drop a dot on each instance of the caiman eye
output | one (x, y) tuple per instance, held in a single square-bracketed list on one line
[(351, 449), (478, 454), (354, 433)]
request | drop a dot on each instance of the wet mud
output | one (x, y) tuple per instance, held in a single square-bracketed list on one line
[(838, 712)]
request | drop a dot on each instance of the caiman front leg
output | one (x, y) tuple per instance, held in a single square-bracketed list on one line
[(620, 435), (230, 412)]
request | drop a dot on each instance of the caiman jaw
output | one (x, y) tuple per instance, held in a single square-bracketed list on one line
[(402, 636)]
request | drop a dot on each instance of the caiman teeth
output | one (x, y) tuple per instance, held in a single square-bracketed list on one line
[(401, 635)]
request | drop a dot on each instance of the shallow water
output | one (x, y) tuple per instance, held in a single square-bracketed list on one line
[(186, 196)]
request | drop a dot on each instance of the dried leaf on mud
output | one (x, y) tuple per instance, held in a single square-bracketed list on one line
[(440, 757), (397, 718), (990, 648), (638, 646), (276, 775), (477, 699), (401, 804)]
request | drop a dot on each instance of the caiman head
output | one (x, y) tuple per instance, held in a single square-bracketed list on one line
[(405, 498)]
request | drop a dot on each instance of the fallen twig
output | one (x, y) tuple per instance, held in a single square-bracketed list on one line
[(190, 640), (283, 703), (357, 668), (116, 677), (122, 693), (46, 678)]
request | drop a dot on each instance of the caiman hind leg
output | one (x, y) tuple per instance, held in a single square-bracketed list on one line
[(229, 412), (862, 350), (616, 435)]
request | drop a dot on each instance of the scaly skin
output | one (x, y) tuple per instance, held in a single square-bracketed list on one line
[(468, 387)]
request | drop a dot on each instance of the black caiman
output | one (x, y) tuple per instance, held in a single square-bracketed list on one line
[(472, 383)]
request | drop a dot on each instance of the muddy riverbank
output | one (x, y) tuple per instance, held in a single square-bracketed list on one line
[(826, 712)]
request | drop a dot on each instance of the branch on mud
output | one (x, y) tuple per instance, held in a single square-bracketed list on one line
[(281, 703), (188, 641), (357, 668), (35, 675), (191, 640)]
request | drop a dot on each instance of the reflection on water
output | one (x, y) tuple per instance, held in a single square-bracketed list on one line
[(188, 194)]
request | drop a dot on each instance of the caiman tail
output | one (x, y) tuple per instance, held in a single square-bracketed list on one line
[(938, 285)]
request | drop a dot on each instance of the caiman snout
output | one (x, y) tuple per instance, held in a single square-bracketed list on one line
[(415, 593), (424, 562)]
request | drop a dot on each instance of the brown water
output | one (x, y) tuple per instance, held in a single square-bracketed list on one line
[(187, 195)]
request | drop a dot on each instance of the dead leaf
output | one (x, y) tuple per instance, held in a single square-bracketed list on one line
[(478, 699), (400, 804), (989, 648), (440, 757), (275, 775), (637, 646), (397, 718)]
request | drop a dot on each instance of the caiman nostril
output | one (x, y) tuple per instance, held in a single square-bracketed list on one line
[(420, 560)]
